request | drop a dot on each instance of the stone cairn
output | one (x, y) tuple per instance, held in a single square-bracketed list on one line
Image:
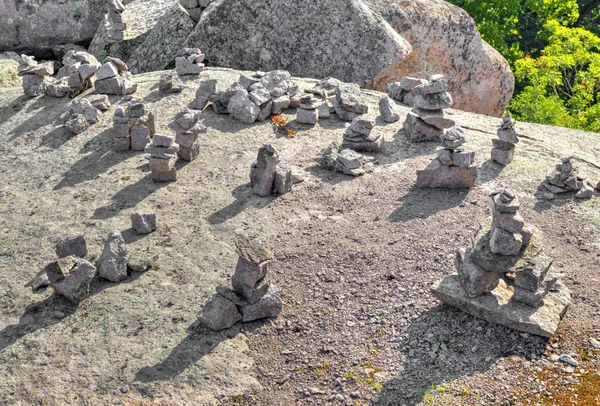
[(426, 122), (268, 176), (359, 135), (453, 167), (308, 111), (188, 126), (566, 178), (507, 252), (170, 83), (189, 61), (34, 75), (255, 97), (163, 156), (84, 112), (133, 126), (346, 161), (504, 147), (75, 76), (71, 275), (115, 20), (253, 296), (113, 77), (195, 7)]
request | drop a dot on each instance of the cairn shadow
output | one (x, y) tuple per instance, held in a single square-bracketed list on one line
[(488, 171), (445, 344), (46, 111), (329, 175), (199, 342), (56, 138), (51, 311), (95, 163), (130, 236), (244, 198), (543, 204), (399, 148), (128, 197), (425, 202)]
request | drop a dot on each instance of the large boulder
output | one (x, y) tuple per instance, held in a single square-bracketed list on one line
[(35, 27), (445, 40), (316, 38)]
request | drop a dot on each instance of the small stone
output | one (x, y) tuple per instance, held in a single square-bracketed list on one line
[(262, 172), (434, 118), (76, 246), (184, 66), (231, 91), (162, 164), (76, 285), (77, 124), (503, 157), (246, 82), (121, 66), (505, 243), (463, 159), (170, 83), (159, 140), (92, 115), (206, 88), (438, 86), (324, 110), (419, 131), (189, 154), (437, 175), (242, 108), (502, 206), (433, 101), (259, 96), (112, 264), (307, 116), (112, 85), (99, 101), (108, 70), (140, 137), (445, 156), (123, 144), (475, 279), (277, 82), (532, 278), (281, 103), (585, 192), (282, 183), (509, 136), (168, 176), (567, 359), (143, 223), (219, 313), (408, 83), (268, 306), (511, 222), (138, 262)]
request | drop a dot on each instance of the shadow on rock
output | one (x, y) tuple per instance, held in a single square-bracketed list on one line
[(423, 203), (445, 344), (37, 316), (488, 171), (45, 112), (244, 198), (128, 197), (56, 138), (199, 342), (94, 163)]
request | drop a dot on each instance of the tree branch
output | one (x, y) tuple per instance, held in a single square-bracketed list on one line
[(586, 10)]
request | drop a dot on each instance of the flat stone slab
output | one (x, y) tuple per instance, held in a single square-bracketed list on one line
[(436, 175), (497, 306)]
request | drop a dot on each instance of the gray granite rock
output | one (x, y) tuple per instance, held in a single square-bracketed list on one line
[(505, 243), (532, 277), (434, 118), (280, 103), (310, 117), (112, 264), (262, 173), (430, 87), (33, 85), (437, 101), (143, 223), (219, 313), (268, 306), (76, 246), (170, 83), (77, 123), (206, 88), (282, 183), (511, 222), (108, 70), (437, 175), (503, 157), (76, 285), (112, 85), (419, 131), (99, 101), (242, 108), (140, 137), (475, 279)]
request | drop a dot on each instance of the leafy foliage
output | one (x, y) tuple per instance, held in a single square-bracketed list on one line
[(553, 47)]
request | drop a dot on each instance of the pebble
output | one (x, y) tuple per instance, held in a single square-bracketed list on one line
[(567, 359)]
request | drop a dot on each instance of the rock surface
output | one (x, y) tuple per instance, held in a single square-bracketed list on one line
[(445, 39), (112, 264), (355, 43)]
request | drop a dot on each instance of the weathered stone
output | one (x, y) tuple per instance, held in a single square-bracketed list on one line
[(430, 87), (498, 306), (445, 156), (434, 118), (407, 83), (219, 313), (419, 131), (168, 176), (268, 306), (140, 137), (162, 164), (282, 183), (164, 153), (112, 264), (433, 101), (53, 272), (586, 192), (532, 278), (143, 223), (327, 158), (503, 157), (505, 243), (77, 123), (99, 101), (108, 70), (463, 158), (170, 83), (186, 140), (482, 255), (349, 98), (281, 103), (253, 253), (113, 85), (437, 175), (504, 205), (260, 96), (57, 88), (33, 85), (189, 153), (262, 173), (119, 64), (206, 88), (363, 125), (365, 145), (307, 116), (511, 222), (122, 144), (503, 145), (184, 66), (92, 115), (138, 261), (160, 140), (72, 246), (508, 136), (76, 285), (475, 279), (533, 298), (242, 108), (246, 82)]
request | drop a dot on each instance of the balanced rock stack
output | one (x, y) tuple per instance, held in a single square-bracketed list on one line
[(34, 75), (267, 176), (115, 20), (81, 114), (426, 122), (133, 125), (75, 76), (566, 178), (359, 135), (188, 126), (189, 61), (113, 77), (504, 147), (504, 278), (349, 102), (195, 7), (253, 98), (401, 91), (163, 157), (346, 161), (308, 111), (453, 168), (253, 296)]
